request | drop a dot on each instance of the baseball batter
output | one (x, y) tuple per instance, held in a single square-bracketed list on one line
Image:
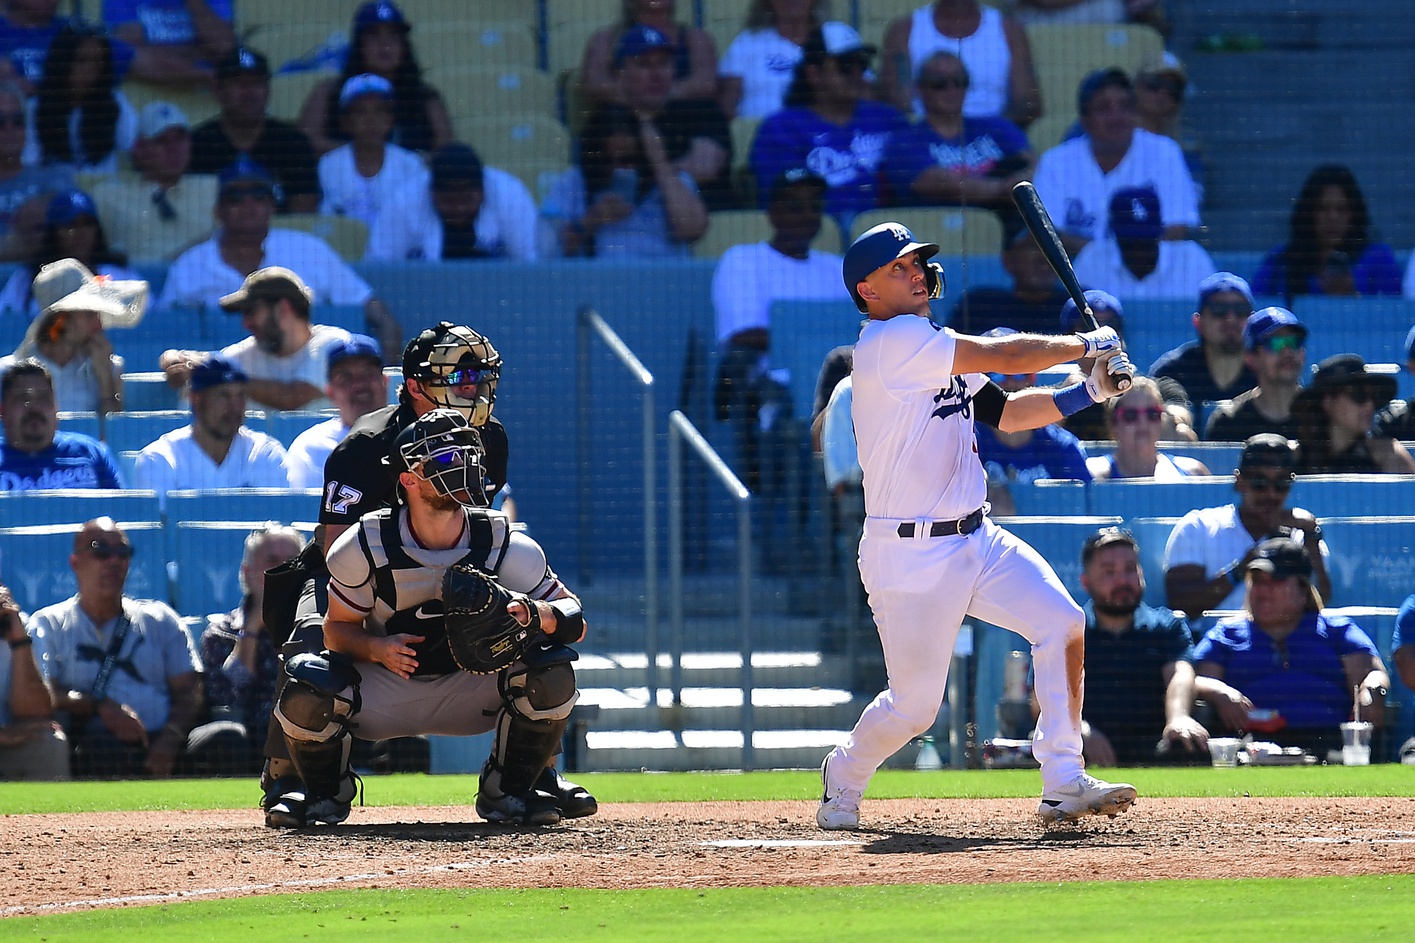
[(929, 554)]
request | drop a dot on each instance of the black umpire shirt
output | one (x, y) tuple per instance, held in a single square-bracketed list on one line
[(357, 481)]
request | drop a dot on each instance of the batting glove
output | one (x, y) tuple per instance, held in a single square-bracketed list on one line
[(1098, 342), (1107, 374)]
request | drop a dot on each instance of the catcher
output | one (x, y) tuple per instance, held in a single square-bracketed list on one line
[(442, 619)]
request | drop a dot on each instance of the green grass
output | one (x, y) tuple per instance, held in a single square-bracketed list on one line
[(1381, 780), (1311, 910)]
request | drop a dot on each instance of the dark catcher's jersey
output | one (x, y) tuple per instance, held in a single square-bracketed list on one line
[(357, 480)]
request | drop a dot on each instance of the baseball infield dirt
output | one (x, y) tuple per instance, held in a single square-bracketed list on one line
[(70, 862)]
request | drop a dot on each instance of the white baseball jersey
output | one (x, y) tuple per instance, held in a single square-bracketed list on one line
[(1215, 539), (914, 423), (1077, 193), (400, 186), (1182, 266), (200, 276), (176, 462), (306, 456), (750, 277), (505, 225), (765, 61), (309, 364)]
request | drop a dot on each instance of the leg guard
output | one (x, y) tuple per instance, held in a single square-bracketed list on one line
[(536, 705), (314, 710)]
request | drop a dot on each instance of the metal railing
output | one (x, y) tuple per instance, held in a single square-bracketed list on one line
[(588, 325), (682, 431)]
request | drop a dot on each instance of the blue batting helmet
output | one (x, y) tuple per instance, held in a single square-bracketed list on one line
[(881, 245)]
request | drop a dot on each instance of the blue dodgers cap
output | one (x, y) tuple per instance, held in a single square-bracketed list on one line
[(67, 206), (379, 12), (358, 345), (877, 247), (1097, 80), (245, 170), (214, 371), (1223, 281), (1265, 323), (1135, 214), (1099, 301), (365, 84), (637, 40)]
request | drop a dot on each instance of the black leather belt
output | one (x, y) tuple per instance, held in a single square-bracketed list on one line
[(946, 528)]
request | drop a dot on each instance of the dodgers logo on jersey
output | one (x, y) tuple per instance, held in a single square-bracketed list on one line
[(954, 399)]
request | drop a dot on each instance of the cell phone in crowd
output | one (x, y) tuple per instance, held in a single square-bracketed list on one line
[(624, 181)]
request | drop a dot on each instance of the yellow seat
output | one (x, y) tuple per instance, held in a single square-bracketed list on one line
[(538, 174), (723, 20), (1063, 55), (1048, 130), (487, 43), (876, 15), (508, 141), (728, 228), (345, 235), (493, 90), (421, 12), (253, 14), (199, 104), (957, 231), (565, 43), (288, 92), (289, 42)]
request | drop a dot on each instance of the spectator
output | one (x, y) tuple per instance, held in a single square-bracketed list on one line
[(380, 46), (949, 159), (357, 387), (1077, 178), (1159, 109), (27, 29), (80, 119), (175, 41), (368, 177), (243, 129), (32, 746), (992, 45), (1285, 655), (836, 366), (1020, 458), (244, 241), (1329, 248), (1029, 306), (68, 337), (1334, 416), (240, 661), (830, 125), (1136, 663), (756, 69), (625, 198), (1212, 367), (24, 190), (285, 357), (748, 279), (471, 212), (1397, 419), (166, 208), (34, 454), (72, 230), (693, 55), (1132, 261), (1276, 345), (1210, 548), (125, 674), (1135, 419), (215, 450), (1402, 643)]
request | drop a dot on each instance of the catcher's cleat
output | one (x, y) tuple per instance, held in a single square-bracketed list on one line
[(334, 810), (1085, 795), (285, 803), (573, 800), (529, 808)]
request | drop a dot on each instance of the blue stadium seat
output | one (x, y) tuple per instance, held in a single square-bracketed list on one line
[(991, 646), (802, 333), (1059, 539), (72, 506), (286, 424), (1221, 458), (34, 562), (133, 430), (147, 391), (206, 564), (1372, 560), (1354, 495), (1051, 497), (284, 505), (85, 423), (1374, 327), (1155, 326), (1145, 497), (1152, 533)]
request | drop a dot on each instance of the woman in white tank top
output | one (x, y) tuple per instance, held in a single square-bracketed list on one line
[(1135, 419)]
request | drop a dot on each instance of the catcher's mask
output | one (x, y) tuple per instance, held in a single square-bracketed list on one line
[(441, 448), (451, 361)]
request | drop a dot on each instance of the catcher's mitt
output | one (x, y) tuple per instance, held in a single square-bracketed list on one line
[(483, 636)]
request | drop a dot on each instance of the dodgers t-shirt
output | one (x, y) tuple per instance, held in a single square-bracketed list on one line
[(984, 143), (164, 22), (73, 461)]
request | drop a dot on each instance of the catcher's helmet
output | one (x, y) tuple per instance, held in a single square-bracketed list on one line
[(881, 245), (449, 358), (440, 447)]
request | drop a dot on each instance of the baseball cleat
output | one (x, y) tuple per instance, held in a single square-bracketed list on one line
[(1085, 795), (573, 800), (840, 808), (530, 808), (285, 803)]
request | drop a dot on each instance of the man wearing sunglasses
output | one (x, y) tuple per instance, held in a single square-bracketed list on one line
[(1397, 420), (1276, 345), (1211, 367), (1209, 550), (124, 674)]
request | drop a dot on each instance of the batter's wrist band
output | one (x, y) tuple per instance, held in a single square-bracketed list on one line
[(21, 642), (1072, 399)]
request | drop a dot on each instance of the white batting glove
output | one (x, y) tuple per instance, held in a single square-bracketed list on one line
[(1106, 376), (1098, 342)]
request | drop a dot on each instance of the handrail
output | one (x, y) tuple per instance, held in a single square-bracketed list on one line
[(588, 325), (681, 430)]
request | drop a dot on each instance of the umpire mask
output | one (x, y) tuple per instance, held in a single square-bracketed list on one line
[(459, 369), (441, 448)]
